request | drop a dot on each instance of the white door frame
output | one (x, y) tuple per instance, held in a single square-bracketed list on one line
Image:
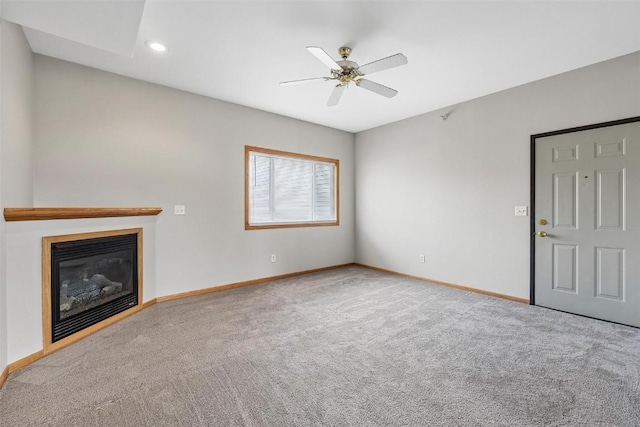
[(532, 219)]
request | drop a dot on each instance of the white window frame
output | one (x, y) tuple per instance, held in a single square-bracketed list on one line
[(288, 155)]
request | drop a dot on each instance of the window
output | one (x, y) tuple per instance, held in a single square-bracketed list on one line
[(289, 190)]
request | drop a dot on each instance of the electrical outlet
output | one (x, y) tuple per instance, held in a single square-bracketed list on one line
[(422, 259), (179, 210), (273, 257)]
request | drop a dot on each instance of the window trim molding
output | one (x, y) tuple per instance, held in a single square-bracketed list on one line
[(336, 163)]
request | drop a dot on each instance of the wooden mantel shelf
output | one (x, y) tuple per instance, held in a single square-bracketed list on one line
[(40, 214)]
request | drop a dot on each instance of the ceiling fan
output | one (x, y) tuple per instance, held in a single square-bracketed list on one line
[(345, 72)]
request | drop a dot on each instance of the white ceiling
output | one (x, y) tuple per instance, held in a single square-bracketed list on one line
[(238, 50)]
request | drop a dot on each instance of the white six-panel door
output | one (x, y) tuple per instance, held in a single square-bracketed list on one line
[(587, 201)]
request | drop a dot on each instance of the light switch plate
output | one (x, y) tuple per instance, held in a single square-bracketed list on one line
[(179, 210), (522, 210)]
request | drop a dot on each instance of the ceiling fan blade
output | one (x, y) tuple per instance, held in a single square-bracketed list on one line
[(293, 82), (383, 64), (377, 88), (335, 95), (324, 57)]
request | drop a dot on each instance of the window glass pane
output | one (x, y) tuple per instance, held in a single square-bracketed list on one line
[(260, 178), (323, 204), (293, 191)]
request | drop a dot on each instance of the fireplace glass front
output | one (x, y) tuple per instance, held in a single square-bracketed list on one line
[(92, 280)]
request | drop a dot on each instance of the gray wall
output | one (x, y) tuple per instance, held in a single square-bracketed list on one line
[(447, 189), (107, 140), (16, 133)]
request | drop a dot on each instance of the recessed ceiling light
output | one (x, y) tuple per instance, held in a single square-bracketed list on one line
[(157, 46)]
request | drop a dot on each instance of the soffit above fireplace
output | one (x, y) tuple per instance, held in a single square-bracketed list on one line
[(39, 214)]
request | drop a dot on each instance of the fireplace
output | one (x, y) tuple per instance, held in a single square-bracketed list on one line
[(90, 280)]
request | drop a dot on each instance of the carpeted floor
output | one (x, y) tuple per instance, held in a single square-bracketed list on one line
[(347, 347)]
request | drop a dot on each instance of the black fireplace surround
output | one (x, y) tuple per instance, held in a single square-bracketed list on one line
[(92, 280)]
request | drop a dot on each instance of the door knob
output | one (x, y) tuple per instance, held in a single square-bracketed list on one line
[(542, 234)]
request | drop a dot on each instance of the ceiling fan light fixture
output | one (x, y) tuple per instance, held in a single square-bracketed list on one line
[(155, 46)]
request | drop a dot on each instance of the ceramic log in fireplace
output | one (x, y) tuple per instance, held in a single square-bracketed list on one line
[(89, 281)]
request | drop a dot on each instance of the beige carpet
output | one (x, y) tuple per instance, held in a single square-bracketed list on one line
[(347, 347)]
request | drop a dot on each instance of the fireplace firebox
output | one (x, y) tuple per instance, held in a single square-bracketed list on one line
[(92, 278)]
